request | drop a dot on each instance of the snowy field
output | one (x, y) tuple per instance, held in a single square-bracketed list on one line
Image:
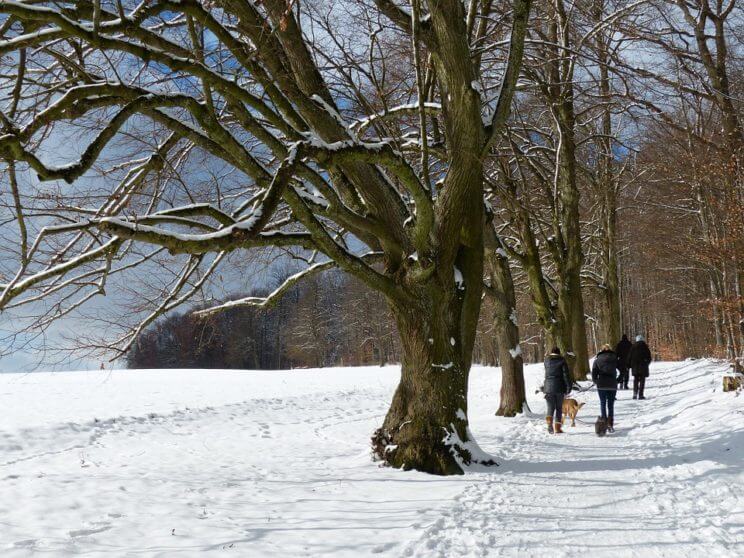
[(195, 463)]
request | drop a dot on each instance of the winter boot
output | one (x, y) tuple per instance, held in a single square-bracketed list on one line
[(558, 428), (611, 424), (549, 420)]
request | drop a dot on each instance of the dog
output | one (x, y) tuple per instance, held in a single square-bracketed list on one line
[(571, 409), (600, 427)]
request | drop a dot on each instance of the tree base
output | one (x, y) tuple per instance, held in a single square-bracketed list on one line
[(428, 456), (733, 383), (448, 455), (510, 411)]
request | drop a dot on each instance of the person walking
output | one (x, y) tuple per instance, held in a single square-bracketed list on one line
[(639, 359), (604, 375), (623, 352), (557, 386)]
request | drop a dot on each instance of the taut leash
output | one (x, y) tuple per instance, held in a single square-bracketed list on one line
[(580, 389)]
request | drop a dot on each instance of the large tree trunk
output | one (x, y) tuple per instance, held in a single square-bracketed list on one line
[(426, 427)]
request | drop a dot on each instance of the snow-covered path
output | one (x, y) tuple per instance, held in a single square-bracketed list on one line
[(188, 463), (667, 483)]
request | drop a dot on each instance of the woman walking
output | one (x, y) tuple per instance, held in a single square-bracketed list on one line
[(557, 385), (604, 375)]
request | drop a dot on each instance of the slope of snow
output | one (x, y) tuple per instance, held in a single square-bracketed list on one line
[(192, 463)]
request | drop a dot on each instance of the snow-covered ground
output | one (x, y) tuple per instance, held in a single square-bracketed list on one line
[(193, 463)]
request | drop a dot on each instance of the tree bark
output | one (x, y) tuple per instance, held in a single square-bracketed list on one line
[(611, 319), (426, 427), (570, 299), (608, 193), (513, 396)]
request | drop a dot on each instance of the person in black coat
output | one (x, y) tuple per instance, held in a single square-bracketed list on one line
[(639, 359), (604, 375), (623, 352), (557, 386)]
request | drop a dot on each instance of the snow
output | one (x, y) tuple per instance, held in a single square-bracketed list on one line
[(315, 197), (478, 88), (459, 280), (409, 107), (333, 112), (479, 460), (258, 463), (515, 352), (315, 141)]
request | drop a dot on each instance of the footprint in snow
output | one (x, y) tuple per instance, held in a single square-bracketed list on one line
[(94, 529), (382, 548)]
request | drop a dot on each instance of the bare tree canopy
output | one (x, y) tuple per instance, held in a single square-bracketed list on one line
[(325, 151)]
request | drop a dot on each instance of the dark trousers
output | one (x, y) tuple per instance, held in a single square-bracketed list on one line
[(555, 406), (607, 402), (622, 380), (639, 382)]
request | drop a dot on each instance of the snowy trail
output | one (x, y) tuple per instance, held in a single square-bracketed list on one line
[(663, 483), (189, 463)]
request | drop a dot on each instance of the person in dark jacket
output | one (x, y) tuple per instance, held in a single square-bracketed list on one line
[(623, 352), (604, 375), (639, 359), (557, 386)]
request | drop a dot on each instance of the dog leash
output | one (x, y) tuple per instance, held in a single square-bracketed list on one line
[(580, 389)]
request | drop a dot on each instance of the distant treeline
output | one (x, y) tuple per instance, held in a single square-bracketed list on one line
[(310, 326), (328, 320)]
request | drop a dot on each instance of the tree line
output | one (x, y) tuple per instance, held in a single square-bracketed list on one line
[(325, 321)]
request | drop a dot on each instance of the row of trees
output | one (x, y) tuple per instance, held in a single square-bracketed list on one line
[(522, 168)]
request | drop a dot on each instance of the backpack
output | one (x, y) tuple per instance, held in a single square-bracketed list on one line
[(600, 427)]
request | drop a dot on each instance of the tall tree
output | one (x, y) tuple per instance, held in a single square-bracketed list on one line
[(245, 86)]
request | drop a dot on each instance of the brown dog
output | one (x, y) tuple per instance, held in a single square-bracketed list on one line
[(571, 409)]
